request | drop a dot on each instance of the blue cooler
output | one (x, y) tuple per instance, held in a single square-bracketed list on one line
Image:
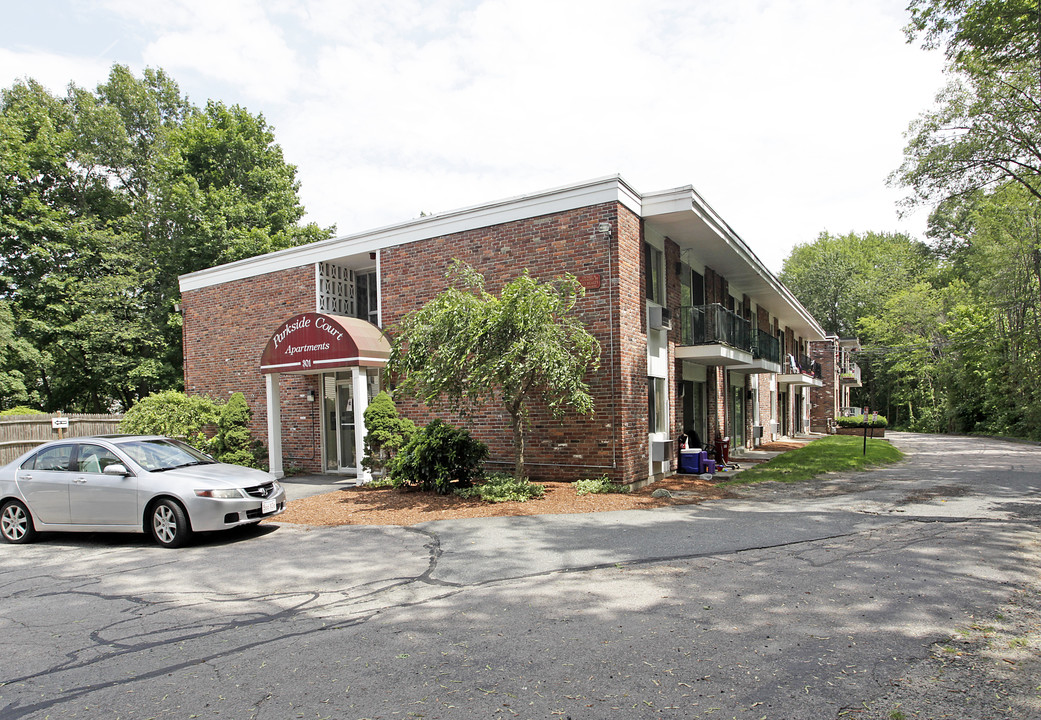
[(691, 461)]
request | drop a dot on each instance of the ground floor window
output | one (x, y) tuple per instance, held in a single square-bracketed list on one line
[(657, 406)]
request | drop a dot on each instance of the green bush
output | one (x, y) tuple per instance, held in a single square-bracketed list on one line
[(602, 484), (437, 456), (857, 421), (21, 410), (233, 443), (503, 487), (386, 432), (187, 417), (173, 414)]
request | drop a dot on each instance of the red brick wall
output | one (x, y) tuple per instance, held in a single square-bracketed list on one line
[(632, 344), (824, 401), (225, 330), (613, 439)]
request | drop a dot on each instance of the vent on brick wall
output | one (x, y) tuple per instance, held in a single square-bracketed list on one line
[(335, 289)]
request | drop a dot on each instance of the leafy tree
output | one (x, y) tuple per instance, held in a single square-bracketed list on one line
[(106, 197), (843, 278), (907, 335), (524, 347), (983, 133), (1003, 277), (1000, 31), (15, 354)]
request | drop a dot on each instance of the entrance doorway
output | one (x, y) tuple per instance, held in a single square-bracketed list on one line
[(737, 417), (343, 426), (694, 408)]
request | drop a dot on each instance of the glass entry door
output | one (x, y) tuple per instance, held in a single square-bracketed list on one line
[(345, 426), (737, 417), (338, 419)]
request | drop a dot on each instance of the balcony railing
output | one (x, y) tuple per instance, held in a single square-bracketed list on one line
[(850, 373), (766, 347), (801, 365), (714, 325)]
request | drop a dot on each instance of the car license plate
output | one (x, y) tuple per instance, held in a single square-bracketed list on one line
[(268, 506)]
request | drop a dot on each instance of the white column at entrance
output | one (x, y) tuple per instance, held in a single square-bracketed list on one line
[(274, 426), (361, 401)]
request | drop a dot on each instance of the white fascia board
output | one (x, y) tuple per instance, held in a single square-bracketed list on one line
[(594, 192), (686, 199)]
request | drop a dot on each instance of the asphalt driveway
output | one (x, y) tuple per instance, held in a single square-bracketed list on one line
[(910, 591)]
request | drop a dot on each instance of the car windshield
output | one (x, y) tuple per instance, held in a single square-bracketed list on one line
[(161, 454)]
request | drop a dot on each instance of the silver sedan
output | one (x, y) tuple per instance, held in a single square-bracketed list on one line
[(130, 483)]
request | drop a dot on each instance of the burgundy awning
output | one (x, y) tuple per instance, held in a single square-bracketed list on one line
[(316, 342)]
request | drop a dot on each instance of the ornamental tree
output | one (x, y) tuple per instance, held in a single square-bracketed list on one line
[(467, 347)]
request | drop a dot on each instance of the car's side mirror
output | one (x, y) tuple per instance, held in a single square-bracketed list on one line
[(116, 469)]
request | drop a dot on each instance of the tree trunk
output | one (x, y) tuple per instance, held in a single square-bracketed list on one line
[(517, 421)]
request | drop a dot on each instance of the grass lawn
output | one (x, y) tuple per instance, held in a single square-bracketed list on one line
[(834, 453)]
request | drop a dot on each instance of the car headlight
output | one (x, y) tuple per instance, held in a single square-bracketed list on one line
[(221, 494)]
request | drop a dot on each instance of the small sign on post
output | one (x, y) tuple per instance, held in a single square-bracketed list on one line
[(867, 424), (61, 424)]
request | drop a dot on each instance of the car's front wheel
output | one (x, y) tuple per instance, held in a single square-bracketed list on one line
[(169, 524), (16, 524)]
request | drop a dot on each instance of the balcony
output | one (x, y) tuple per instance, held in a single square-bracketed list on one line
[(766, 355), (849, 375), (801, 371), (712, 335)]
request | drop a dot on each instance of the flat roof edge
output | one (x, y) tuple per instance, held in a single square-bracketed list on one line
[(611, 188)]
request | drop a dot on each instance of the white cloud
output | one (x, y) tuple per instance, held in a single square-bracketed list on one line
[(232, 41), (787, 115), (53, 70)]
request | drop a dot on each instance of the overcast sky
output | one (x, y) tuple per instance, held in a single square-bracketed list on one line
[(785, 115)]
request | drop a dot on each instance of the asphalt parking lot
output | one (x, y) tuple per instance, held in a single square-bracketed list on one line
[(909, 590)]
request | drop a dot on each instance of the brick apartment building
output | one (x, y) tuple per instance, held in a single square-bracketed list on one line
[(839, 375), (695, 333)]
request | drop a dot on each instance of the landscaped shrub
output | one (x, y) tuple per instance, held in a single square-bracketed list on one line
[(21, 410), (386, 432), (503, 487), (857, 421), (233, 443), (437, 456), (173, 414), (602, 484)]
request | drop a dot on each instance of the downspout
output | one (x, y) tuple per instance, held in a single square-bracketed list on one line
[(610, 323)]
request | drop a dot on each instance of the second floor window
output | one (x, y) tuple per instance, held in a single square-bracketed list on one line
[(654, 273), (367, 298)]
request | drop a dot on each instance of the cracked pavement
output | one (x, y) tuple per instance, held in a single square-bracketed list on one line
[(911, 589)]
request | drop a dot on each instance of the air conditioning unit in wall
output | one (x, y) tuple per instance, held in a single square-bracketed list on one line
[(661, 450), (659, 318)]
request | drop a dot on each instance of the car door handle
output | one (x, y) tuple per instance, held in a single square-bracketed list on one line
[(80, 480)]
